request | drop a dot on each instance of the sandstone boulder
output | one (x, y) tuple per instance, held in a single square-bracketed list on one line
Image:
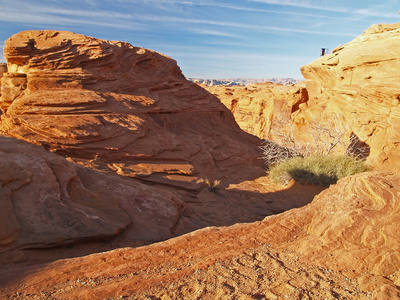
[(359, 81), (47, 201), (127, 109)]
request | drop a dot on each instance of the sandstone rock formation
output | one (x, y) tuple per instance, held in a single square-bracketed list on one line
[(127, 109), (3, 69), (345, 244), (359, 80), (258, 107), (46, 201)]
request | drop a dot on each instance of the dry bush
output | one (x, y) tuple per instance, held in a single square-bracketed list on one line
[(323, 155), (324, 137)]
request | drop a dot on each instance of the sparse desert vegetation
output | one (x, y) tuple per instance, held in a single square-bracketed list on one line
[(316, 169)]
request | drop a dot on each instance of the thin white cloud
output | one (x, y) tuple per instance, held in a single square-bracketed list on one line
[(303, 4), (213, 32), (42, 15), (237, 25), (370, 12), (23, 18), (84, 13)]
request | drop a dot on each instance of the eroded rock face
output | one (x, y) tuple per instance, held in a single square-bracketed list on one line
[(129, 109), (47, 201), (258, 107), (359, 80), (3, 69)]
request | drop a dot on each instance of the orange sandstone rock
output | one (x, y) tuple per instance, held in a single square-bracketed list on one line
[(122, 107), (258, 107), (3, 69), (359, 81)]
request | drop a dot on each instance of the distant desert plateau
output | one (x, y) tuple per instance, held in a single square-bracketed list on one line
[(122, 179)]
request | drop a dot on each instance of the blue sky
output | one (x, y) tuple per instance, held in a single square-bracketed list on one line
[(210, 38)]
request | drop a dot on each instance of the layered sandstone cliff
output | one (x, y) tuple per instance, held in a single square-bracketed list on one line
[(3, 69), (359, 81), (259, 107), (127, 109)]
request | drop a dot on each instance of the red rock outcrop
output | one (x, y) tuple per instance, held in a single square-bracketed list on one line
[(3, 69), (257, 107), (46, 201), (128, 109), (345, 244), (359, 81)]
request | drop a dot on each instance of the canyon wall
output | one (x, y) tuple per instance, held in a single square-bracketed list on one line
[(3, 69), (258, 107)]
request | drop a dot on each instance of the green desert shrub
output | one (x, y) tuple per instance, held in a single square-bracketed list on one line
[(316, 169)]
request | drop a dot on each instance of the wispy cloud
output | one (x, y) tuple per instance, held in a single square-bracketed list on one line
[(41, 14), (303, 4), (46, 19), (213, 32), (157, 18), (371, 12)]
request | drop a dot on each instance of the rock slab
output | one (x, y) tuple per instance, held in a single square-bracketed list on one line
[(47, 201)]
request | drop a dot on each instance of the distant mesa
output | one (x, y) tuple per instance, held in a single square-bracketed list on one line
[(243, 81)]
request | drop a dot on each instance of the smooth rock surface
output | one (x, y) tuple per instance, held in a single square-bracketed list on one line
[(47, 201), (359, 80)]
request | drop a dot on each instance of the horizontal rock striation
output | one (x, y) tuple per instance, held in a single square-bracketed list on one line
[(120, 106)]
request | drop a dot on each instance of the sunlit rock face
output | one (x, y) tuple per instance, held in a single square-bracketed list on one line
[(129, 110), (261, 106), (3, 69), (359, 80)]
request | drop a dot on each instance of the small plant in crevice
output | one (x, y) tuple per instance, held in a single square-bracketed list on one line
[(212, 184)]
